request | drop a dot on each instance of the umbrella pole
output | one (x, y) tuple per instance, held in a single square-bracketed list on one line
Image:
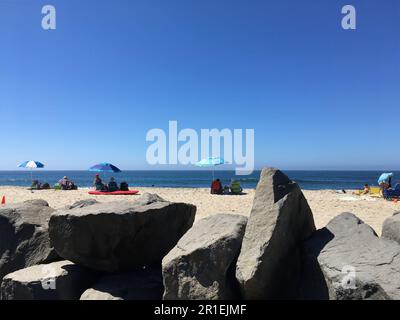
[(31, 179)]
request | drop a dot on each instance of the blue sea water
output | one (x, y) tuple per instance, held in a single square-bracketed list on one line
[(309, 180)]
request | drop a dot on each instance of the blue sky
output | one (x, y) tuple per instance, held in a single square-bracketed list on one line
[(318, 97)]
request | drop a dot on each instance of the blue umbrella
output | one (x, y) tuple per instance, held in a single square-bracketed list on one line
[(211, 162), (104, 167), (31, 164), (385, 177)]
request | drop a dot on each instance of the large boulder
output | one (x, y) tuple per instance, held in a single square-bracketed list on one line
[(145, 284), (119, 236), (347, 260), (60, 280), (269, 264), (24, 237), (391, 228), (202, 264)]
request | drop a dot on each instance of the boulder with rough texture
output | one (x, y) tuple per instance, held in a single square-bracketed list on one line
[(24, 238), (346, 260), (37, 202), (60, 280), (391, 228), (82, 204), (202, 264), (143, 284), (269, 264), (120, 236)]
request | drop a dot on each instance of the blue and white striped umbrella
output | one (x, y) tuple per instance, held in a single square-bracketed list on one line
[(211, 162), (31, 164)]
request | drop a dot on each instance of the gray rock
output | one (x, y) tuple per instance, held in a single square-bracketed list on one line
[(391, 228), (37, 202), (348, 261), (60, 280), (119, 236), (149, 198), (24, 238), (137, 285), (269, 264), (202, 264), (82, 204)]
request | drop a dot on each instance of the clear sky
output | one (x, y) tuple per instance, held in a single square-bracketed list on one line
[(318, 96)]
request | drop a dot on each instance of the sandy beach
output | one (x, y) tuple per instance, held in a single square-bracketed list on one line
[(325, 204)]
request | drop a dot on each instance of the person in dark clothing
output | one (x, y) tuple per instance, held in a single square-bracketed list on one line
[(112, 185), (98, 184)]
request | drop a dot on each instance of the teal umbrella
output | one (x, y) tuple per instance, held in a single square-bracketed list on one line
[(211, 162)]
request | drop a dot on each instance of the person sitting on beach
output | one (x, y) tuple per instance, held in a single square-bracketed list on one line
[(366, 190), (98, 184), (112, 185), (124, 186), (385, 186), (385, 182), (66, 184), (216, 187), (35, 185)]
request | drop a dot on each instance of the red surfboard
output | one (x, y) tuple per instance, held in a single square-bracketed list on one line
[(115, 193)]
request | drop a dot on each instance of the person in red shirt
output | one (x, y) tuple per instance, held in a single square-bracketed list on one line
[(216, 187)]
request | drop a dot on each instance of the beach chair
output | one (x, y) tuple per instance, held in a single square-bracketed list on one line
[(375, 192), (236, 187)]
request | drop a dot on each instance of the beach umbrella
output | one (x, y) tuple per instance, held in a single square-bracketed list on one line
[(104, 167), (31, 165), (211, 162), (385, 177)]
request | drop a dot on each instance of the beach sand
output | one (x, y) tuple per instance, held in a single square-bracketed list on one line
[(325, 204)]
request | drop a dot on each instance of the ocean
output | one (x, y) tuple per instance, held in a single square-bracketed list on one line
[(308, 180)]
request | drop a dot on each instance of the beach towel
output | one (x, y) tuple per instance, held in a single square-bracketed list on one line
[(374, 190), (115, 193)]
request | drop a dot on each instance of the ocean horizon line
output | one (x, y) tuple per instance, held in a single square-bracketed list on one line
[(205, 169)]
